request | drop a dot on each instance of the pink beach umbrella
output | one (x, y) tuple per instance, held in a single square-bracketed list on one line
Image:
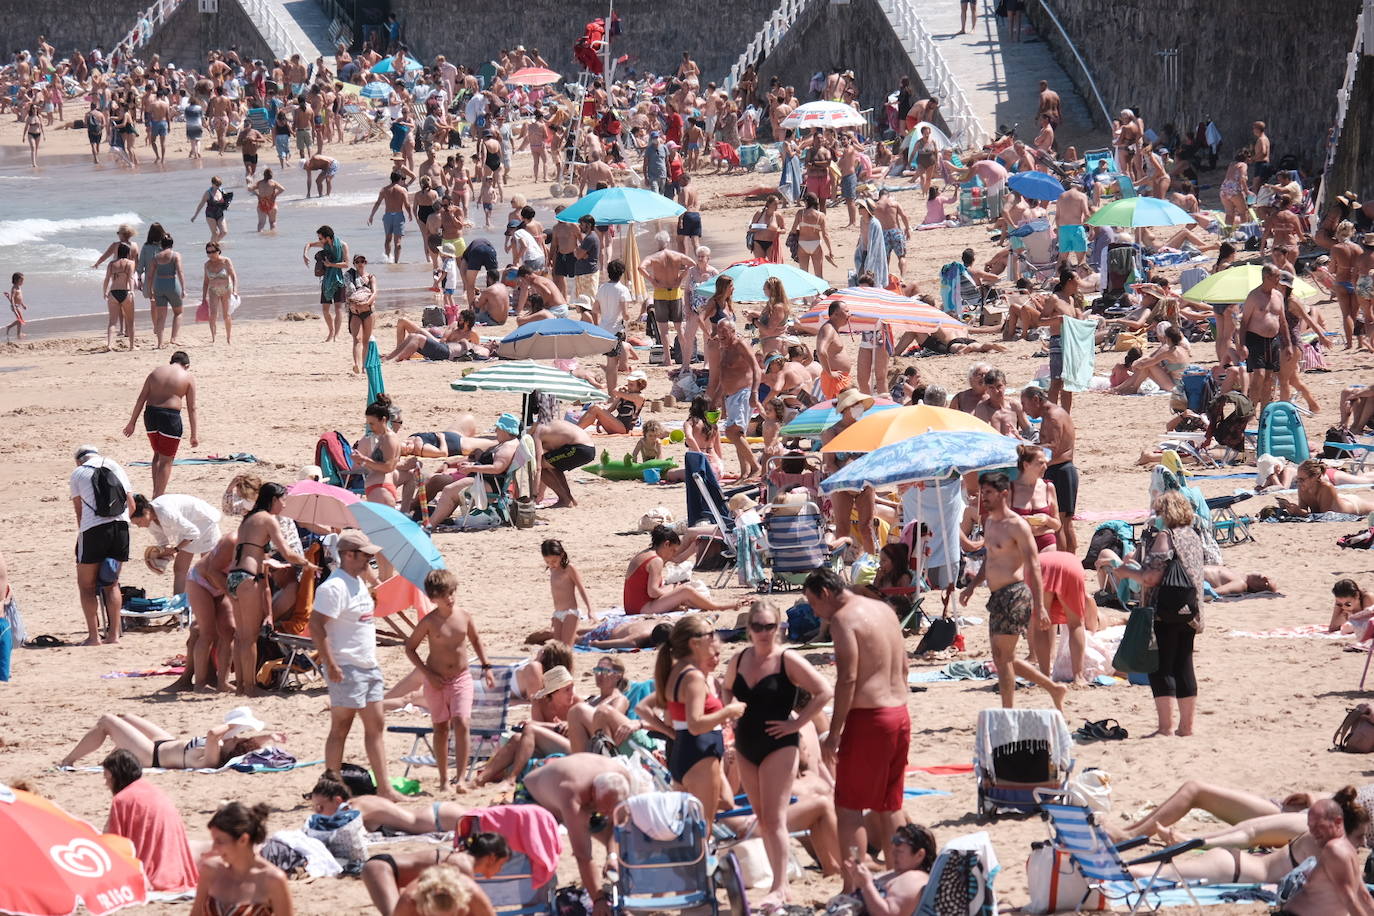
[(323, 505)]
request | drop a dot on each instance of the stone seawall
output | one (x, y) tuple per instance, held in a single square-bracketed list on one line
[(187, 38), (68, 26)]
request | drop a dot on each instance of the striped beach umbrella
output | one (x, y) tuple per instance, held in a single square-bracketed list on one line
[(376, 90), (931, 456), (869, 305), (872, 432), (817, 418), (525, 376), (824, 114)]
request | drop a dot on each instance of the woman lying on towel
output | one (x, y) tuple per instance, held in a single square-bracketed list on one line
[(155, 747), (481, 855), (1317, 493), (330, 795)]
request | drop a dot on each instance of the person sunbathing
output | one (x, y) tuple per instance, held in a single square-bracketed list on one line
[(543, 735), (455, 342), (1164, 366), (1226, 581), (633, 632), (1271, 822), (1276, 472), (1352, 606), (330, 795), (481, 855), (156, 747), (1317, 493)]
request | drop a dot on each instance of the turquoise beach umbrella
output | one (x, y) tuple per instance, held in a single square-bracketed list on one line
[(618, 206), (750, 275)]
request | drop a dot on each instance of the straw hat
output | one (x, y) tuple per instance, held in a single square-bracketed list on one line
[(555, 679), (741, 502), (1267, 465), (448, 249), (154, 560), (582, 303), (851, 397)]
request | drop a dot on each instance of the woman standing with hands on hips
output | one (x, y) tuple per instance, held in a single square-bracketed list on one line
[(769, 679)]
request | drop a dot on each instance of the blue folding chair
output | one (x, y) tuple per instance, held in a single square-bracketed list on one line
[(664, 875), (1075, 830), (512, 890)]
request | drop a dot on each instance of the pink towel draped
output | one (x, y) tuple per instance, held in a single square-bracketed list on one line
[(142, 813), (527, 828)]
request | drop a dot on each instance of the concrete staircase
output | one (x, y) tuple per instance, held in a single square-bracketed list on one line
[(293, 27)]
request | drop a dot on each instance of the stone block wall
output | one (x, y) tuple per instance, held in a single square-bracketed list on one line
[(68, 26), (655, 33), (1353, 169), (1237, 61), (189, 35)]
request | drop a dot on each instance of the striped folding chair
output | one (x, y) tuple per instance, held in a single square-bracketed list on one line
[(486, 728)]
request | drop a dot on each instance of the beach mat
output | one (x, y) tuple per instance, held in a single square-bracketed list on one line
[(952, 769), (236, 458)]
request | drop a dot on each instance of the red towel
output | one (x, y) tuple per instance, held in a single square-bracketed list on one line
[(144, 814), (527, 828), (956, 769)]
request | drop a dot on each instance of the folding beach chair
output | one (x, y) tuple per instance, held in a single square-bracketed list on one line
[(669, 875), (1075, 830), (1228, 527), (299, 661), (796, 542), (1038, 257), (260, 121), (512, 891), (960, 882), (486, 727), (724, 530), (1016, 752)]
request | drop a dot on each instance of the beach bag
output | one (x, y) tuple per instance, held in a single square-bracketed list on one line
[(961, 887), (1229, 429), (1108, 536), (110, 497), (1129, 340), (1194, 383), (1091, 788), (1356, 732), (433, 317), (1359, 540), (1312, 359), (1056, 883), (802, 622), (939, 635), (1340, 434), (1139, 651)]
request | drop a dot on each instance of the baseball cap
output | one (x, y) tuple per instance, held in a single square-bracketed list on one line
[(1286, 278), (353, 539)]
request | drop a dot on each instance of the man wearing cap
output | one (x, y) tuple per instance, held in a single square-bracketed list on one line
[(345, 633), (735, 383), (666, 270), (165, 391), (1261, 324), (656, 164), (100, 538)]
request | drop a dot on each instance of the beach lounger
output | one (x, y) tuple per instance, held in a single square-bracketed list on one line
[(1075, 830), (486, 726)]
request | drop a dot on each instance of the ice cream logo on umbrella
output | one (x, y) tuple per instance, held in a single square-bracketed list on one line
[(82, 858)]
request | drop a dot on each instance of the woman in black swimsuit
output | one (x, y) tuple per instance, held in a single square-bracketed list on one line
[(770, 680), (360, 307), (624, 411), (154, 746)]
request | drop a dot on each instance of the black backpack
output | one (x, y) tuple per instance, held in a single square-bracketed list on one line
[(111, 499)]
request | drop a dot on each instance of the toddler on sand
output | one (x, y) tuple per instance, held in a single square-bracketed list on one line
[(565, 583), (447, 682)]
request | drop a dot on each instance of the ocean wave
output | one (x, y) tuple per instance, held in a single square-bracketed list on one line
[(20, 231), (344, 199)]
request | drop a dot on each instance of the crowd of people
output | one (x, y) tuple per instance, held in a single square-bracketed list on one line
[(825, 752)]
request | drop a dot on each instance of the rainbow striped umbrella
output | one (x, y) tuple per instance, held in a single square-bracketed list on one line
[(869, 305)]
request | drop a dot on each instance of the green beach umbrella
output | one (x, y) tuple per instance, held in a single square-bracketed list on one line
[(1235, 283), (1139, 213), (525, 376)]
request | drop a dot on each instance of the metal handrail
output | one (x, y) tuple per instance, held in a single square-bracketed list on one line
[(1343, 95), (767, 38), (143, 29), (339, 19), (964, 125), (1082, 64), (270, 26)]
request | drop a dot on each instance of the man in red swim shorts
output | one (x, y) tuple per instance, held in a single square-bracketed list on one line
[(870, 732), (165, 391)]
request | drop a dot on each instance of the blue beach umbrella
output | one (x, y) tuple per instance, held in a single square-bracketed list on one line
[(556, 338), (403, 542), (929, 456), (376, 90), (388, 65), (750, 275), (1036, 185), (817, 418), (618, 206)]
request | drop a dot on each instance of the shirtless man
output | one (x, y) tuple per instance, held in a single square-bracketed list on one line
[(1007, 417), (1333, 886), (328, 167), (532, 282), (735, 385), (1260, 169), (1012, 572), (836, 366), (596, 175), (493, 304), (156, 111), (95, 130), (160, 400), (560, 447), (1071, 213), (1262, 335), (666, 270), (1049, 104), (575, 789), (896, 227), (849, 176), (565, 239), (267, 191), (1057, 306), (218, 110), (249, 141), (398, 210), (968, 399), (870, 731), (1057, 437), (1127, 139), (300, 124)]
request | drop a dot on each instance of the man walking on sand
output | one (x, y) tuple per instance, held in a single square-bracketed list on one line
[(1012, 572), (735, 385), (665, 270), (1057, 438), (394, 217), (165, 390), (345, 633), (870, 731), (102, 521)]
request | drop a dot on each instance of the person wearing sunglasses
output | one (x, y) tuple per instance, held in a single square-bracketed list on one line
[(767, 678), (897, 892)]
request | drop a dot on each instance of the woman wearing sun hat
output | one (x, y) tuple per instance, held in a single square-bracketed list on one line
[(850, 405), (156, 747)]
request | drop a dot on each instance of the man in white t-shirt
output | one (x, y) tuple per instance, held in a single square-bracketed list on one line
[(345, 634), (102, 542), (608, 311)]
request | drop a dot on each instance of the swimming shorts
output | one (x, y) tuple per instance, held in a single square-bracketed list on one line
[(479, 256), (435, 349), (737, 409), (359, 687), (832, 383), (250, 160), (849, 186), (109, 541), (895, 239), (689, 224), (394, 223), (164, 429), (570, 457), (451, 700), (1064, 476), (870, 769), (564, 263), (1364, 287), (332, 169), (667, 305), (1056, 357), (1009, 609), (1262, 352), (819, 185), (603, 630), (1073, 238)]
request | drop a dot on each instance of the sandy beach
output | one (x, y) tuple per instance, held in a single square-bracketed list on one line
[(1267, 706)]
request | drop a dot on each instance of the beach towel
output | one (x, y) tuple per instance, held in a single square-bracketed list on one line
[(955, 671), (234, 763), (1207, 895), (527, 828), (949, 769), (659, 815), (146, 672), (1079, 343), (235, 458), (915, 792), (1315, 517), (790, 179), (146, 816), (874, 251), (1301, 631)]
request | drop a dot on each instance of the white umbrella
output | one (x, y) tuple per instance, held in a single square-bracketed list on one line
[(824, 114)]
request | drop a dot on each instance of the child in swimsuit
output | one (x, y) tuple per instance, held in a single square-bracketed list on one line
[(566, 588)]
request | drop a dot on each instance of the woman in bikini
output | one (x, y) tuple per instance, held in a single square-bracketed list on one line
[(154, 746), (1164, 366), (720, 307), (399, 882), (33, 133), (927, 158), (1317, 493), (1033, 497), (361, 303), (772, 319), (219, 286), (234, 879), (246, 583), (766, 225), (1233, 201), (378, 451), (812, 232), (119, 295), (625, 407), (644, 591), (1345, 252), (1296, 317)]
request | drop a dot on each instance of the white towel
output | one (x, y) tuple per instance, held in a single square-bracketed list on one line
[(1009, 727), (659, 815)]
